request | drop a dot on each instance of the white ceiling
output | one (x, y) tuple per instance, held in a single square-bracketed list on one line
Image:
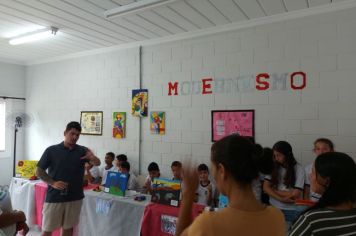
[(83, 26)]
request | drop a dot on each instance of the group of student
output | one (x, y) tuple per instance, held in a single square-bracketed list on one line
[(97, 175), (261, 184), (241, 169), (206, 193)]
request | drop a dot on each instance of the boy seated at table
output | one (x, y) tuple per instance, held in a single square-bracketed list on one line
[(176, 168), (132, 183), (11, 221), (92, 173), (153, 172), (118, 159), (206, 192), (109, 158)]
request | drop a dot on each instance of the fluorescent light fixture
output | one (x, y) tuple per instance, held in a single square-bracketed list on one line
[(34, 36), (22, 31), (135, 7)]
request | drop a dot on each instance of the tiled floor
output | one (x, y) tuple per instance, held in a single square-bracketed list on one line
[(34, 233)]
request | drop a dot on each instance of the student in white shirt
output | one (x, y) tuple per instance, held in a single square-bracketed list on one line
[(109, 158), (132, 183), (93, 173), (321, 145), (267, 166), (206, 193), (286, 182), (11, 221), (118, 159), (176, 168)]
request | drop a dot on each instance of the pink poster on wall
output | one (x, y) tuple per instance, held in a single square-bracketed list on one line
[(228, 122)]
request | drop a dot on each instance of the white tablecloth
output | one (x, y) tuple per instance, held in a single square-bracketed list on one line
[(123, 219), (22, 192)]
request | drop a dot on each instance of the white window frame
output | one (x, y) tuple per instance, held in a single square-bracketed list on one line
[(2, 126)]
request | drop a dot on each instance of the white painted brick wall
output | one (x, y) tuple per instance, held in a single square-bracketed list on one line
[(319, 127), (162, 147), (228, 45), (346, 128), (182, 148), (346, 61), (323, 46), (301, 111), (319, 95), (13, 81)]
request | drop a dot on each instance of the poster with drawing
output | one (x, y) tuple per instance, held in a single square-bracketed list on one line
[(139, 102), (157, 122), (226, 122), (119, 125)]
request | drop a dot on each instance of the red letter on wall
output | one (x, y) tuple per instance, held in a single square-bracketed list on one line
[(206, 86), (304, 77), (172, 87), (262, 85)]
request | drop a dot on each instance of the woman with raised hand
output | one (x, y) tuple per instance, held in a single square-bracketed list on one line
[(235, 162)]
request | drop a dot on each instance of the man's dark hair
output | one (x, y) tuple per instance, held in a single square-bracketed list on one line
[(153, 166), (203, 167), (111, 154), (125, 165), (121, 157), (74, 125)]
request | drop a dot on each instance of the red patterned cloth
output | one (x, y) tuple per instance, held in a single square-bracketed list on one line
[(151, 222)]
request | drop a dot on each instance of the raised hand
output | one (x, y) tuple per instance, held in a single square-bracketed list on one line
[(190, 179)]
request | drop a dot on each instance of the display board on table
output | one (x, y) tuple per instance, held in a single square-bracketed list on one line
[(116, 183), (166, 191), (26, 169)]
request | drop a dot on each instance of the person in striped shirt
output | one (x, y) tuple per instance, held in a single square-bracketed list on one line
[(334, 178)]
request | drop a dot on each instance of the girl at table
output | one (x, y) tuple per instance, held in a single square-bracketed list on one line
[(334, 178), (321, 145), (235, 164), (286, 182)]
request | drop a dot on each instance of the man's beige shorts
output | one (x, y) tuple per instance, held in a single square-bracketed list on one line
[(60, 215)]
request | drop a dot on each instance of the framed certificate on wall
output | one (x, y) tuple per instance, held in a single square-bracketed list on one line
[(91, 122)]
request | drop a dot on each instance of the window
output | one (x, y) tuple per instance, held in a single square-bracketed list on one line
[(2, 126)]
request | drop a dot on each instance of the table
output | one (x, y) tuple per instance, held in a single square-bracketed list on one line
[(22, 193), (151, 223), (123, 218)]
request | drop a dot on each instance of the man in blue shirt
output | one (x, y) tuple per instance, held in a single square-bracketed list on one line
[(65, 163)]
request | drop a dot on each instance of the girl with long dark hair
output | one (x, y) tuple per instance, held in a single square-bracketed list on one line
[(286, 182), (334, 178)]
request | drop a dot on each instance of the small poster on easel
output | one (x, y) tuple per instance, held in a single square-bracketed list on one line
[(26, 168), (166, 191), (116, 183)]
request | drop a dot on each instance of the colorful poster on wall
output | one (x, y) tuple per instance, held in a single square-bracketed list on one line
[(139, 102), (119, 125), (157, 122), (224, 123)]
